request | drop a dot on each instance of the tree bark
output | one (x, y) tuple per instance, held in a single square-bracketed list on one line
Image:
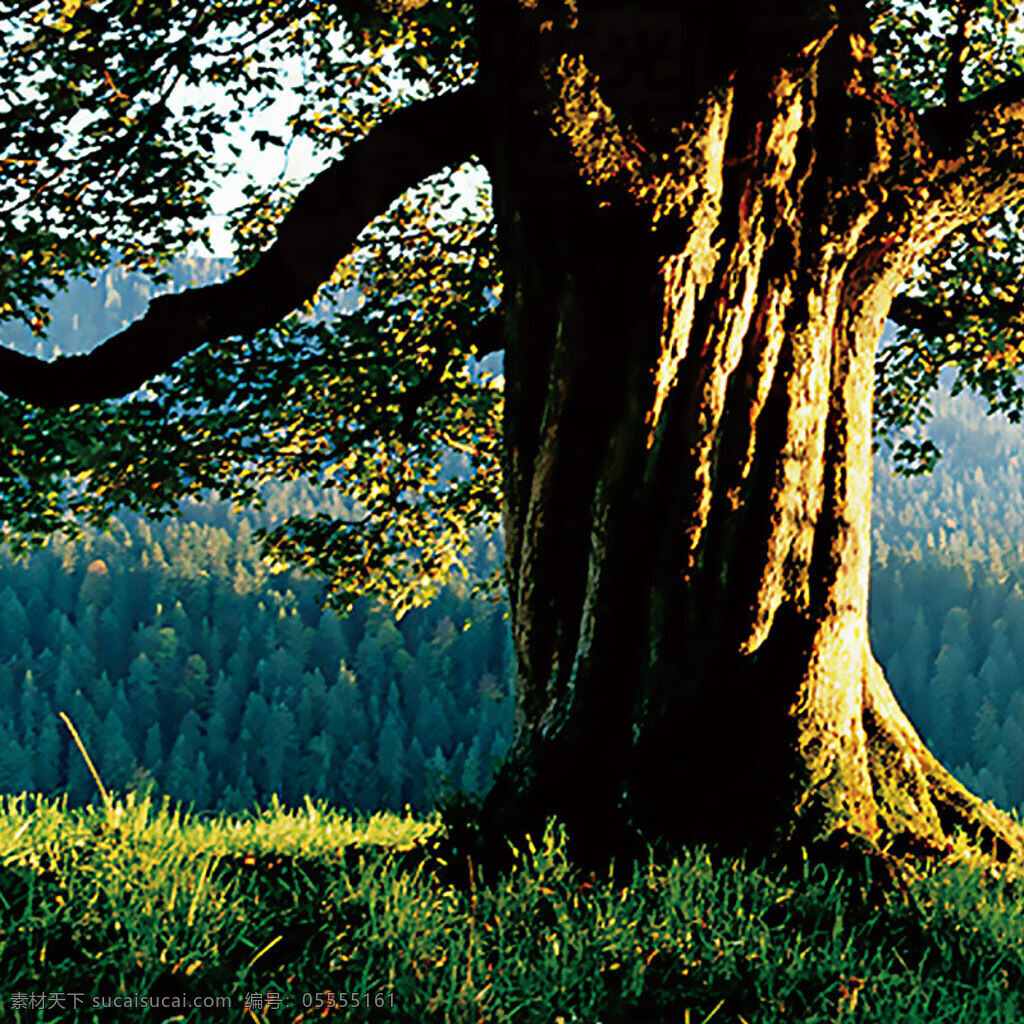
[(698, 268)]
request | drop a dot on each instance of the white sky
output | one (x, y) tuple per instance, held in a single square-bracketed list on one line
[(296, 161)]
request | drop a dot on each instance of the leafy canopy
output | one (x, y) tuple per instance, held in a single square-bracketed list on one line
[(119, 120), (964, 310)]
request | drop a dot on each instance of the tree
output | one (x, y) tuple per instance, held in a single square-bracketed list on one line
[(153, 749), (117, 763), (180, 778), (314, 777), (704, 214), (390, 767), (356, 786), (15, 766), (473, 779), (140, 687), (329, 647), (47, 756)]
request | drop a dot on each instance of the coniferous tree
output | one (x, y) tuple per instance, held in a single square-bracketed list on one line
[(357, 786), (228, 700), (418, 791), (195, 683), (316, 767), (370, 666), (117, 763), (312, 704), (918, 654), (8, 687), (201, 793), (14, 624), (179, 776), (329, 646), (140, 687), (440, 782), (241, 796), (474, 776), (81, 787), (46, 756), (101, 694), (218, 741), (153, 751), (945, 699), (111, 646), (280, 753), (346, 717), (32, 707), (390, 761), (986, 732), (16, 774)]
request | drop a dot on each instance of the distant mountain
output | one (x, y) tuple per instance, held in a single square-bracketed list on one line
[(90, 311)]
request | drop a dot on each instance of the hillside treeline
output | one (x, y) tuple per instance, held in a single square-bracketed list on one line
[(189, 668)]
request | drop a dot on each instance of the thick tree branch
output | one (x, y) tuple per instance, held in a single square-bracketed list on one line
[(489, 335), (915, 313), (956, 127), (317, 232), (968, 160), (908, 311)]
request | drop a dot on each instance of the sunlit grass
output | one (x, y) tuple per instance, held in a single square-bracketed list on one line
[(301, 905)]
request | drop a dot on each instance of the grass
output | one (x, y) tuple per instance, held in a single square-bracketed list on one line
[(292, 908)]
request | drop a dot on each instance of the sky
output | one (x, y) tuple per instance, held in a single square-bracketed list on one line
[(296, 161)]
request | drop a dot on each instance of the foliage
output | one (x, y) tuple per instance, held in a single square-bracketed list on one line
[(962, 314), (125, 119), (961, 310), (307, 902), (917, 47), (123, 116), (160, 106)]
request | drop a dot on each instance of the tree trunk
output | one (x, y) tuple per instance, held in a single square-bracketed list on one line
[(697, 268)]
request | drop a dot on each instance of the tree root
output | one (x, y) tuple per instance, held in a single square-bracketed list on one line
[(921, 807)]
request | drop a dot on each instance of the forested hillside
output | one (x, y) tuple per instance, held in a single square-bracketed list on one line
[(947, 596), (184, 663), (187, 666)]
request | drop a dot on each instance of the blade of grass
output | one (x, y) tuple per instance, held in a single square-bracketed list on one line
[(88, 761)]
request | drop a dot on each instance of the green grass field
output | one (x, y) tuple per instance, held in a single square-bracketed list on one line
[(307, 915)]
